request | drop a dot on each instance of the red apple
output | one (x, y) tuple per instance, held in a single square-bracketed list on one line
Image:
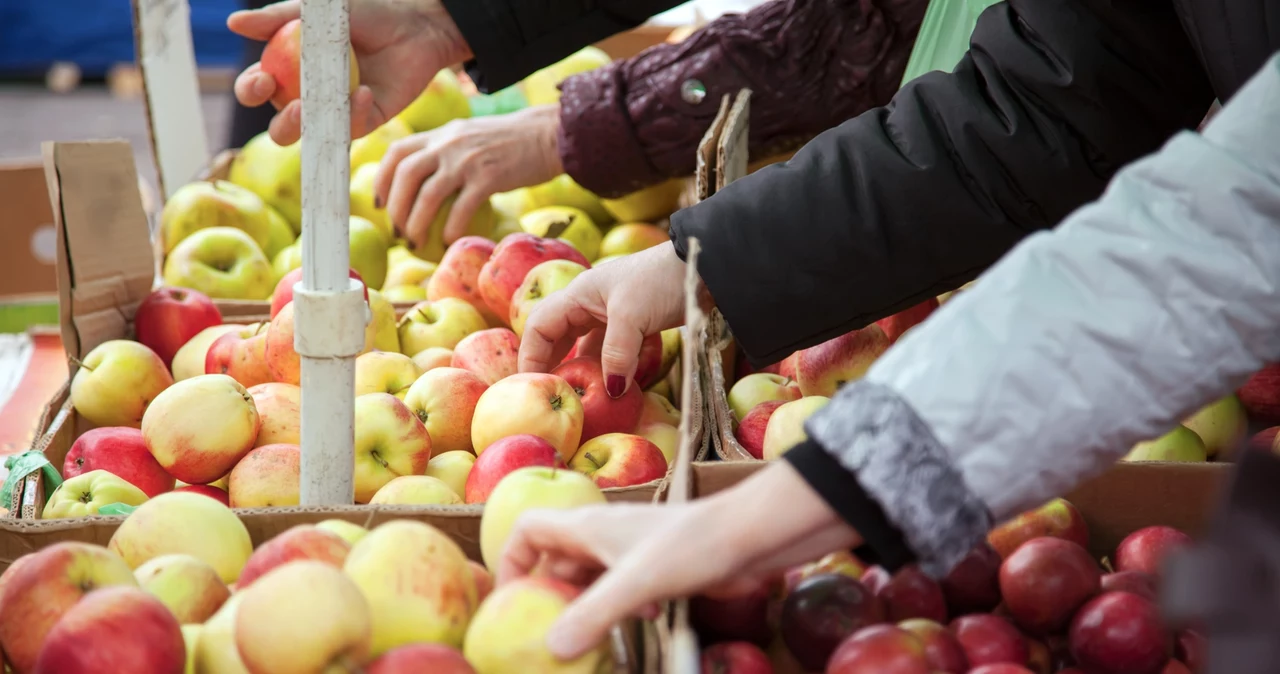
[(880, 649), (741, 618), (620, 460), (169, 317), (1175, 667), (735, 657), (1045, 580), (1137, 582), (488, 354), (120, 451), (649, 363), (240, 354), (750, 431), (973, 586), (218, 494), (875, 578), (283, 293), (822, 369), (1265, 439), (1000, 668), (458, 275), (282, 60), (906, 319), (304, 541), (912, 594), (822, 612), (840, 561), (115, 629), (1057, 518), (787, 366), (419, 658), (1120, 633), (1261, 395), (1145, 549), (512, 259), (504, 456), (988, 639), (1039, 657), (940, 646), (1189, 647), (601, 413)]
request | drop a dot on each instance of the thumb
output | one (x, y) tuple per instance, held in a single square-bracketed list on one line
[(620, 354), (261, 24)]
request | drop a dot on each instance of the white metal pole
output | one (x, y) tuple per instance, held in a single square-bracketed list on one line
[(329, 308)]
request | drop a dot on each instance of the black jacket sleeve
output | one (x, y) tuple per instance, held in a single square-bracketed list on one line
[(910, 200), (512, 38)]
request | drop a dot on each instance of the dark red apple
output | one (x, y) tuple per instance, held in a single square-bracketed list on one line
[(879, 649), (906, 319), (822, 612), (169, 317), (1057, 518), (840, 561), (1137, 582), (750, 431), (649, 362), (973, 586), (1145, 549), (121, 452), (1045, 581), (504, 456), (735, 657), (912, 594), (875, 578), (601, 414), (1120, 633), (1265, 439), (1261, 395), (218, 494), (1189, 647), (1001, 668), (742, 618), (1039, 658), (988, 639), (1175, 667), (940, 646)]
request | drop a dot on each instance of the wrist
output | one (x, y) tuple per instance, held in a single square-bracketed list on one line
[(546, 125), (446, 32)]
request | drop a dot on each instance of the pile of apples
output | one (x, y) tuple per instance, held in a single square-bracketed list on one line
[(1032, 600), (179, 588)]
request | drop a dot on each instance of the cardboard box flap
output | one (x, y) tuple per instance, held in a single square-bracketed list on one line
[(105, 267)]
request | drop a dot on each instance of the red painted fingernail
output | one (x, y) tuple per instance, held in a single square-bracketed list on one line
[(615, 385)]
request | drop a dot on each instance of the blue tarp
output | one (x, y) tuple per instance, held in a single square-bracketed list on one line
[(96, 34)]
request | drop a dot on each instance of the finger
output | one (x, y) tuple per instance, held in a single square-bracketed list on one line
[(286, 126), (551, 329), (620, 354), (619, 594), (365, 114), (254, 87), (261, 24), (538, 533), (469, 200), (406, 182), (422, 218), (398, 152)]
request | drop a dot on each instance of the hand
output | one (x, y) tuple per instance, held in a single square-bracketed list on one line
[(639, 555), (400, 46), (472, 158), (632, 297)]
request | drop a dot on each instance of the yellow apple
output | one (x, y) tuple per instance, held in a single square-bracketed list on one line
[(567, 224), (184, 523), (389, 442), (418, 583), (672, 344), (444, 399), (441, 102), (368, 251), (647, 205), (398, 253), (405, 293), (274, 173), (786, 425), (759, 387), (187, 585), (363, 198), (279, 408), (85, 493), (203, 204), (632, 237), (509, 632), (443, 322), (216, 651), (191, 638), (539, 283), (542, 87), (349, 532), (200, 427), (279, 234), (385, 372), (188, 362), (288, 259), (415, 490), (561, 190), (657, 408), (1180, 444), (375, 144), (381, 332), (221, 262), (412, 272), (116, 383), (525, 489), (481, 225), (430, 359), (664, 435), (452, 468), (534, 403), (268, 476)]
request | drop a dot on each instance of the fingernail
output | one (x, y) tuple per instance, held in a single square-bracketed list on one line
[(615, 385), (377, 201)]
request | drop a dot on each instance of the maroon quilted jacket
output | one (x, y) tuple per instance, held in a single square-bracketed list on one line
[(811, 64)]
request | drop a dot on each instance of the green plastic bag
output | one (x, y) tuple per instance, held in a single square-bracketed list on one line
[(22, 465), (944, 36), (502, 102), (117, 509)]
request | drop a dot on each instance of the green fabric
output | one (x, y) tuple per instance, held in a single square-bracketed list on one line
[(944, 36), (22, 465), (502, 102)]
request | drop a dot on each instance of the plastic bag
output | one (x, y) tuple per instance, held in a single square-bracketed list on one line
[(944, 36)]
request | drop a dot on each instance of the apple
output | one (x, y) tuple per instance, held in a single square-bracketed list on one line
[(503, 457), (189, 361), (539, 404), (761, 387), (1264, 440), (567, 224), (458, 275), (821, 612), (1175, 667), (822, 369), (658, 408), (1260, 395), (619, 460), (1180, 444), (44, 587), (940, 647), (369, 245), (216, 649), (511, 260), (114, 629), (381, 332), (200, 427), (288, 259), (785, 428), (840, 561), (481, 224), (1189, 647), (274, 173), (283, 362), (268, 476), (541, 281), (297, 543), (280, 233), (384, 372), (743, 617), (86, 493), (116, 383), (602, 414), (189, 587), (1057, 518), (880, 649), (649, 360), (649, 204), (191, 639), (221, 262), (169, 317), (436, 356), (404, 294), (509, 631), (751, 429), (282, 60), (1138, 582), (664, 436), (632, 237), (1045, 580), (370, 148), (216, 493), (307, 614), (240, 354), (1120, 633), (1146, 549), (898, 324), (441, 102), (182, 522), (444, 400), (363, 199), (279, 408), (122, 452), (412, 272), (542, 87), (989, 639), (910, 593), (525, 489), (1039, 658), (452, 468), (213, 203), (390, 441), (489, 354), (1222, 425), (440, 323), (347, 531), (283, 294), (418, 583), (416, 658), (416, 490), (735, 657), (1000, 668)]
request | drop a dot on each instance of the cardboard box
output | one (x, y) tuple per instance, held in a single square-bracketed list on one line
[(28, 248)]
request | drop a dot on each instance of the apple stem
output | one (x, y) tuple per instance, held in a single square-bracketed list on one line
[(556, 403), (79, 363), (1106, 564), (594, 464)]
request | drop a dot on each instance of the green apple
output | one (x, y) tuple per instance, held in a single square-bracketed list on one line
[(347, 531), (647, 205), (1180, 444), (440, 103), (221, 262), (564, 191), (274, 173), (570, 225), (279, 234), (381, 332), (371, 148), (757, 388), (443, 322), (84, 494), (481, 225), (1222, 426), (288, 259), (403, 293), (543, 86), (362, 199), (632, 237), (398, 253), (369, 251), (525, 489), (416, 490), (116, 382), (509, 632), (452, 468), (201, 205), (786, 426), (545, 278), (411, 272)]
